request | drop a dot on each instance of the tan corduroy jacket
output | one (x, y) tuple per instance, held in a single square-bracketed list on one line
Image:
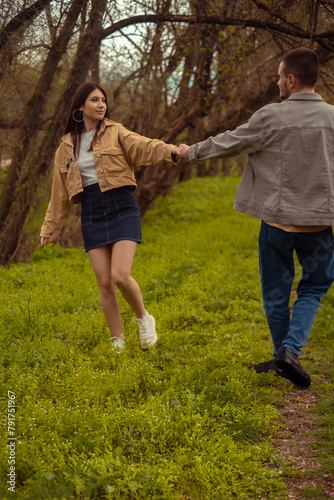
[(116, 153)]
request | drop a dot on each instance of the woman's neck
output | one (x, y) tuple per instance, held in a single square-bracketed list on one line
[(90, 125)]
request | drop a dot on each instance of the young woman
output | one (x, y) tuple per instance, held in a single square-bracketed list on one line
[(94, 166)]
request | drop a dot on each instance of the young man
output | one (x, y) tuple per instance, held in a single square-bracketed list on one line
[(288, 183)]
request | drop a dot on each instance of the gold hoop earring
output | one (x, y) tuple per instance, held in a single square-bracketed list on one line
[(78, 121)]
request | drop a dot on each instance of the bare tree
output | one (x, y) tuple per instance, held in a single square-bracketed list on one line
[(180, 77), (24, 181)]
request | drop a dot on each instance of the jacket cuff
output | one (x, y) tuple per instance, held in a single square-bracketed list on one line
[(192, 154), (47, 232), (169, 150)]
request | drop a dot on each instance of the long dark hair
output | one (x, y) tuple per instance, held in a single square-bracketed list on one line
[(76, 128)]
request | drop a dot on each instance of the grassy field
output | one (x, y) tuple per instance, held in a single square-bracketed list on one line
[(184, 420)]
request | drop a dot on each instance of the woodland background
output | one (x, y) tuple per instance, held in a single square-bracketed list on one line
[(178, 70)]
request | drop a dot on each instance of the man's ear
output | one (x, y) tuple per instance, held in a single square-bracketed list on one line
[(292, 81)]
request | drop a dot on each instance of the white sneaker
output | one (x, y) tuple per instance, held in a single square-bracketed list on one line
[(118, 343), (148, 335)]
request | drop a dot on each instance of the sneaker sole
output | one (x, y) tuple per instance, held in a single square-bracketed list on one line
[(145, 345)]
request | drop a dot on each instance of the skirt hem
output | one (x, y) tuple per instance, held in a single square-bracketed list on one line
[(111, 243)]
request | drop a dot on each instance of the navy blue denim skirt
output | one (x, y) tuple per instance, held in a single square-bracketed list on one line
[(109, 216)]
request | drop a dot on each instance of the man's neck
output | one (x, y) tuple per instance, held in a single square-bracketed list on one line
[(304, 90)]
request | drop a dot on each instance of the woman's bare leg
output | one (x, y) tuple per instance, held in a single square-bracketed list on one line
[(100, 259), (121, 262)]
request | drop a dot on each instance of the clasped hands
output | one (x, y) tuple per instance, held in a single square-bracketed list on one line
[(181, 154)]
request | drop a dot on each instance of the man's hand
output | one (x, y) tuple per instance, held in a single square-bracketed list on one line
[(184, 150)]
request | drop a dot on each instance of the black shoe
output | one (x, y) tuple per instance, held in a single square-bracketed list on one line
[(290, 364), (266, 367)]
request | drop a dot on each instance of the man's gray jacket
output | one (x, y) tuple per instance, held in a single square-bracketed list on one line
[(289, 176)]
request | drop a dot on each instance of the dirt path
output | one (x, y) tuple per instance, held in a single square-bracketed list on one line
[(298, 443)]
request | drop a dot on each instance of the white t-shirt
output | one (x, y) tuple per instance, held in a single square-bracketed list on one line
[(85, 160)]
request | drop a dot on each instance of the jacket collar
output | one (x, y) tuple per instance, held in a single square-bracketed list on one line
[(106, 123), (305, 96)]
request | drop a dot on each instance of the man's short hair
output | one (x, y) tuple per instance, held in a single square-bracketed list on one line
[(303, 63)]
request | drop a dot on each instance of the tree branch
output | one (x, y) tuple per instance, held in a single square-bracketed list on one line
[(26, 15), (8, 123), (226, 21)]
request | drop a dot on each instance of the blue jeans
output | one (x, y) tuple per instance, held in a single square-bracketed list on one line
[(315, 252)]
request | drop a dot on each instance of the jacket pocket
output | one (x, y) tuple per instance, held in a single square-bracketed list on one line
[(68, 174), (64, 167), (113, 160), (111, 150)]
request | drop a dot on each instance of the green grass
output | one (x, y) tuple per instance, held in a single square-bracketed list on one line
[(185, 420), (314, 493)]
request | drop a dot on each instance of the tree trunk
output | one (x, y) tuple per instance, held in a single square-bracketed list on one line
[(40, 166), (33, 113)]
